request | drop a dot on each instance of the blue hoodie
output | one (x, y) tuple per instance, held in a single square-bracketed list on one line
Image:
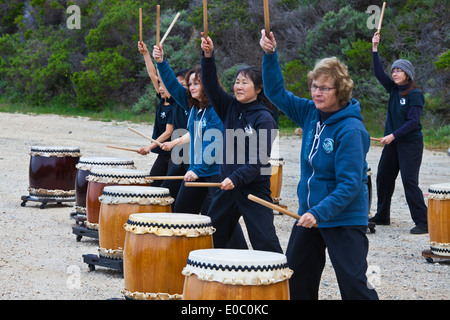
[(333, 179), (244, 162), (204, 164)]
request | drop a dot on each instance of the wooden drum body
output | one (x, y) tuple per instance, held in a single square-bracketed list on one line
[(439, 219), (276, 179), (157, 246), (231, 274), (52, 172), (84, 166), (99, 178), (117, 204)]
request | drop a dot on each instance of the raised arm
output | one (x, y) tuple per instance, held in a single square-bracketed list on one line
[(149, 64)]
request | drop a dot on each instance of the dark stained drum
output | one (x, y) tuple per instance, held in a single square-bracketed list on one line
[(157, 246), (52, 172), (232, 274), (117, 204), (84, 166), (102, 177), (439, 219)]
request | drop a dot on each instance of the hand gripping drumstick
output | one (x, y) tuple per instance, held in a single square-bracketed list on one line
[(381, 17), (144, 136), (122, 148), (170, 28), (275, 207)]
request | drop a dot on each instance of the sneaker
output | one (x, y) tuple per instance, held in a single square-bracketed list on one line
[(419, 229), (379, 222)]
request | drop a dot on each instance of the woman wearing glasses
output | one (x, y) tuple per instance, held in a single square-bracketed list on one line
[(332, 190), (403, 141)]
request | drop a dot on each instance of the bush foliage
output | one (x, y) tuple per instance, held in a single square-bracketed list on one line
[(98, 66)]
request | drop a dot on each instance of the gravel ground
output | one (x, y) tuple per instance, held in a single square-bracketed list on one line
[(41, 258)]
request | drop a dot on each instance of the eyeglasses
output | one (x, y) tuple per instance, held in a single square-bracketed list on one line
[(324, 90)]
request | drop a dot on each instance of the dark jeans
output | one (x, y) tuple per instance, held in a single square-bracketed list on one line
[(347, 248), (405, 157)]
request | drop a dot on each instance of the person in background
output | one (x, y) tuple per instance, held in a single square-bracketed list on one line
[(163, 127), (403, 142), (332, 192)]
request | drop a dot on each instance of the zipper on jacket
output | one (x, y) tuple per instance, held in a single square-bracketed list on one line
[(312, 153)]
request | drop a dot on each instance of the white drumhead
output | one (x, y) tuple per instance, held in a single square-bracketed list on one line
[(170, 224), (87, 163), (439, 191), (169, 219), (118, 176), (238, 267), (55, 151), (135, 195)]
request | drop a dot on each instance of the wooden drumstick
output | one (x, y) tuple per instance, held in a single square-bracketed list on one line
[(202, 184), (274, 207), (144, 136), (122, 148), (140, 24), (158, 26), (266, 18), (375, 139), (170, 28), (166, 178), (381, 17), (205, 19)]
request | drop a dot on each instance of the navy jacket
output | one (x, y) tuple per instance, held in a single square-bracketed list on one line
[(249, 131)]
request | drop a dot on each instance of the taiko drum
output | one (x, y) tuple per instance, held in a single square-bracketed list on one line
[(232, 274), (276, 179), (52, 171), (84, 166), (99, 178), (157, 246), (117, 204), (439, 218)]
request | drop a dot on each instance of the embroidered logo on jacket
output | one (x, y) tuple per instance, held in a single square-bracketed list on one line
[(163, 115), (248, 129), (328, 145), (402, 101)]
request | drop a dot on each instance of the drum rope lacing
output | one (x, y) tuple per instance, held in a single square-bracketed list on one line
[(165, 225), (117, 176), (221, 267), (107, 163), (55, 150), (135, 195)]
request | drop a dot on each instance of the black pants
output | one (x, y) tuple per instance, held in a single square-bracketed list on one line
[(405, 157), (160, 168), (174, 185), (198, 200), (228, 206), (347, 248)]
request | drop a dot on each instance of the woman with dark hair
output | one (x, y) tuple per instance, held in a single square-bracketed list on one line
[(249, 132), (203, 120), (403, 141)]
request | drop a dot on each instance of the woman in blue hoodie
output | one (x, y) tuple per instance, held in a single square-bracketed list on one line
[(245, 169), (332, 191)]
